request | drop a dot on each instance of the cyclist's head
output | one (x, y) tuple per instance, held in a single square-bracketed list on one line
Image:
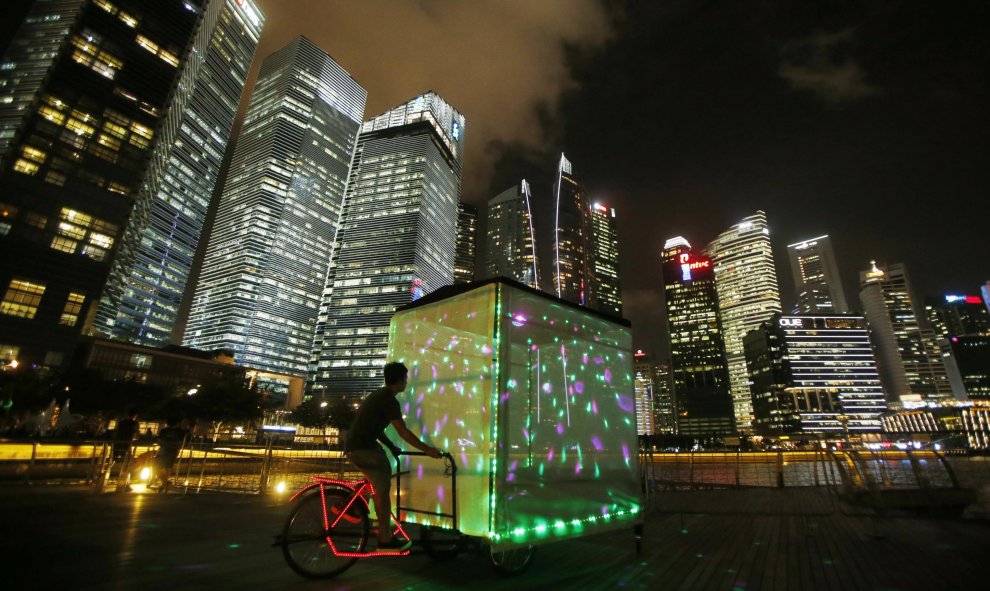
[(395, 372)]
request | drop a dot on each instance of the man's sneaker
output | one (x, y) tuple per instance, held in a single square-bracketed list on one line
[(395, 545)]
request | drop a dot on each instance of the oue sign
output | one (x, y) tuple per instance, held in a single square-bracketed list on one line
[(792, 322)]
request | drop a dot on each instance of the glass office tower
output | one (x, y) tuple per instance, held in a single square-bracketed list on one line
[(816, 277), (92, 97), (748, 295), (603, 260), (911, 368), (699, 375), (398, 238), (570, 238), (511, 241), (467, 230), (149, 274), (266, 264)]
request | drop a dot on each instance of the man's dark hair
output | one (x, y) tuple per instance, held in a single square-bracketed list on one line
[(394, 372)]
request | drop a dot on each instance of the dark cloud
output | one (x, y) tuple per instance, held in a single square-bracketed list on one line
[(500, 63), (823, 64)]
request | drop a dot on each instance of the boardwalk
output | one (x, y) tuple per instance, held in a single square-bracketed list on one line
[(67, 538)]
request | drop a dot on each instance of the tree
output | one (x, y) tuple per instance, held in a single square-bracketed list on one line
[(225, 401)]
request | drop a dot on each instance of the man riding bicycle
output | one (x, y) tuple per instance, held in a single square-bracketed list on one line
[(377, 412)]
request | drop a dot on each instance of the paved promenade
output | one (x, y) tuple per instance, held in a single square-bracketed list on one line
[(69, 538)]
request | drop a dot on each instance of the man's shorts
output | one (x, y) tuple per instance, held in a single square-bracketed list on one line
[(375, 465)]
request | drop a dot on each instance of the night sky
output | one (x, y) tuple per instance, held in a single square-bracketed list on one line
[(867, 121)]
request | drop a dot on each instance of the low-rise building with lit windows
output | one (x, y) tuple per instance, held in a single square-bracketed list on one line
[(814, 374)]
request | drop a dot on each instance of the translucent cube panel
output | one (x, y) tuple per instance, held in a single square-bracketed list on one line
[(535, 400)]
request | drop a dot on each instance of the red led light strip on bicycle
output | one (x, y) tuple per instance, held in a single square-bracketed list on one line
[(328, 526)]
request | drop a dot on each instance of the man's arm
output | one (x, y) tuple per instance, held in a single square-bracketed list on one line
[(411, 439)]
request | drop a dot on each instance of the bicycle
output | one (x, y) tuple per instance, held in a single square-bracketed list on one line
[(329, 527)]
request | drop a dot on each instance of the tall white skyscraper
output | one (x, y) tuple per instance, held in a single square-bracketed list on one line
[(398, 238), (748, 295), (149, 275), (911, 368), (570, 238), (816, 277), (266, 264), (511, 242)]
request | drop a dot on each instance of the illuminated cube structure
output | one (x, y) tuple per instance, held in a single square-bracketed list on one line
[(533, 396)]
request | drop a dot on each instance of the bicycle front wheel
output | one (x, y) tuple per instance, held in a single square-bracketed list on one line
[(306, 543)]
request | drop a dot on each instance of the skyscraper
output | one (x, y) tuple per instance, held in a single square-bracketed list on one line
[(570, 238), (816, 277), (814, 374), (603, 260), (511, 242), (398, 237), (643, 390), (92, 99), (748, 295), (699, 375), (149, 274), (467, 231), (266, 263), (908, 356)]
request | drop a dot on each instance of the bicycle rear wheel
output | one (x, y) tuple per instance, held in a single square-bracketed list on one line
[(305, 538)]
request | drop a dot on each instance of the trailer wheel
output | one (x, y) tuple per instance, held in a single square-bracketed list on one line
[(509, 563), (441, 543)]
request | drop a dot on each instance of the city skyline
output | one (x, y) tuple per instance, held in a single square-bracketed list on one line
[(829, 132)]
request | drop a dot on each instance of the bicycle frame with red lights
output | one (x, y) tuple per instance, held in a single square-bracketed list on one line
[(329, 526)]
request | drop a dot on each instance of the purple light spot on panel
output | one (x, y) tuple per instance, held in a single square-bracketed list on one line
[(464, 458), (597, 360), (604, 509), (434, 369), (429, 342), (596, 338), (584, 358), (405, 408), (442, 388), (436, 426), (570, 390), (552, 322), (419, 413), (486, 350), (518, 320), (550, 455), (608, 376), (504, 397), (459, 387), (419, 472), (595, 441), (421, 398), (510, 477), (625, 451), (451, 365), (575, 329), (579, 387), (626, 403), (594, 407), (440, 493), (453, 342), (560, 429), (577, 468), (533, 348), (546, 387), (526, 433)]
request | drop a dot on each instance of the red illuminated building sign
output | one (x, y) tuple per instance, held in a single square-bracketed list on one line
[(687, 265)]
